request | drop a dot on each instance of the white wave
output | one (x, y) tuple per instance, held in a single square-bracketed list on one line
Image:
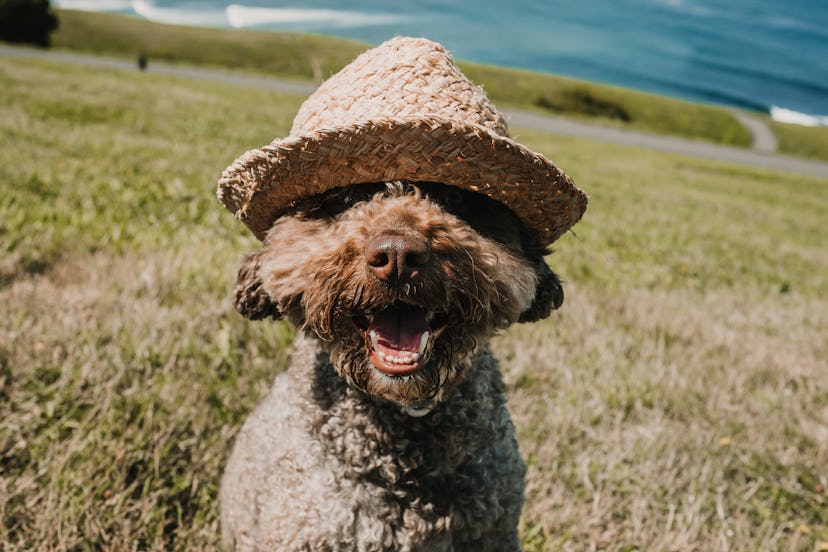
[(179, 16), (94, 5), (249, 16), (783, 115)]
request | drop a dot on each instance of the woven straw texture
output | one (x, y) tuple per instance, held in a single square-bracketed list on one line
[(401, 111)]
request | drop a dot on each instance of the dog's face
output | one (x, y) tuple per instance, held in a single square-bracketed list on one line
[(403, 282)]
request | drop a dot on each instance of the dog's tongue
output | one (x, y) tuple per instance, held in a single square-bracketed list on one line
[(400, 328)]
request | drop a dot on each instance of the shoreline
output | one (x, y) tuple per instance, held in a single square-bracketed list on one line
[(628, 72)]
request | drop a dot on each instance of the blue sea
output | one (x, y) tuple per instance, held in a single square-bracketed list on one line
[(764, 55)]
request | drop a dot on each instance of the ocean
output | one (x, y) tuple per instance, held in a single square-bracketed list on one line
[(763, 55)]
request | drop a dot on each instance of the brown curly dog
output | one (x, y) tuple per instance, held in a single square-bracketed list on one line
[(389, 431)]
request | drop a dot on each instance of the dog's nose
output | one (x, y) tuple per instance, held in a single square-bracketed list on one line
[(392, 257)]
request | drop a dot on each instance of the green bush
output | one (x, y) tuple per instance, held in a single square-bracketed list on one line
[(28, 21), (584, 101)]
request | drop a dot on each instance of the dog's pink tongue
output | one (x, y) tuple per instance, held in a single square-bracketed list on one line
[(400, 328)]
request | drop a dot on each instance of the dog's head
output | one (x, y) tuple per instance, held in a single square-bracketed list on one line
[(403, 282)]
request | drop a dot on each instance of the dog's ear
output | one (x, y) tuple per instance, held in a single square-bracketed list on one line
[(548, 293), (249, 297)]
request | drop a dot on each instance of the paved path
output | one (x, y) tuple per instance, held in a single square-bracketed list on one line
[(763, 137), (669, 144), (760, 156)]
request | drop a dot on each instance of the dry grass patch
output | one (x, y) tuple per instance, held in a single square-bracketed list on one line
[(678, 401), (121, 397), (674, 421)]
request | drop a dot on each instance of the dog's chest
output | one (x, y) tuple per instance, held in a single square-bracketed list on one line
[(440, 475), (321, 467)]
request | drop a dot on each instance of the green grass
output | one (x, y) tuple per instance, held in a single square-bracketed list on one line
[(676, 402), (300, 56), (608, 105), (802, 141), (311, 56)]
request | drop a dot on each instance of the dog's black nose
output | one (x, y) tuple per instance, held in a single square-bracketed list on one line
[(396, 258)]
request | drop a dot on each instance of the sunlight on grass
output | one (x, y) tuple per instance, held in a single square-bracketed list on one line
[(677, 401)]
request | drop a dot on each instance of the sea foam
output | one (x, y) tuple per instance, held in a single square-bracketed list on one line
[(783, 115), (95, 5), (248, 16), (184, 15)]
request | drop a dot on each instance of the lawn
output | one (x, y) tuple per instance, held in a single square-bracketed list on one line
[(802, 141), (678, 401)]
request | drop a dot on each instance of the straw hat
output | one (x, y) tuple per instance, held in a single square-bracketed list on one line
[(401, 111)]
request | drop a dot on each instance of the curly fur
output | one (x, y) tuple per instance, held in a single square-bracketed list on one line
[(333, 459)]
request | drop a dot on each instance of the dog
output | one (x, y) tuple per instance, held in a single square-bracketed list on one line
[(389, 430), (401, 228)]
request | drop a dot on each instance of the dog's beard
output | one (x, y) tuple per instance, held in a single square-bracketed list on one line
[(406, 344), (449, 358)]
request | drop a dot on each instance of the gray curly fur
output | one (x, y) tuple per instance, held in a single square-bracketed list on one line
[(323, 467)]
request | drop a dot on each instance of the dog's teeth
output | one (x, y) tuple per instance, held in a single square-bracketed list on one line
[(399, 359), (423, 344), (405, 357)]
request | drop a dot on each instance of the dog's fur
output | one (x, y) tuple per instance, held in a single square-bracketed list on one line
[(342, 456)]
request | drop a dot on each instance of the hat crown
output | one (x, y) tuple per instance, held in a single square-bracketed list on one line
[(402, 111), (404, 78)]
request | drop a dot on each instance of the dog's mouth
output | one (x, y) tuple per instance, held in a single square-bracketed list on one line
[(400, 338)]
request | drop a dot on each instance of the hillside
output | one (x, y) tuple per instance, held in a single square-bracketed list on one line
[(677, 401), (316, 57)]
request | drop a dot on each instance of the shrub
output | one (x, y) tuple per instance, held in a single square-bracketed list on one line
[(27, 21), (582, 100)]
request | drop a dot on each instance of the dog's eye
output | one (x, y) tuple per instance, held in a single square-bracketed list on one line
[(456, 203), (337, 201), (448, 198), (454, 199), (337, 204), (333, 207)]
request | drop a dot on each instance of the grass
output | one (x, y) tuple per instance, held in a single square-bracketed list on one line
[(300, 56), (802, 141), (608, 105), (676, 402), (312, 56), (316, 57)]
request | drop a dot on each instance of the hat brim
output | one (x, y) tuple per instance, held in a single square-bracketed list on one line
[(264, 183)]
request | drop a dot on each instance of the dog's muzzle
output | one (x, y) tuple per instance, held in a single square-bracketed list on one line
[(398, 338)]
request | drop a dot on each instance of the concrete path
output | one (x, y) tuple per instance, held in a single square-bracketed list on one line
[(763, 137), (760, 156), (707, 150)]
